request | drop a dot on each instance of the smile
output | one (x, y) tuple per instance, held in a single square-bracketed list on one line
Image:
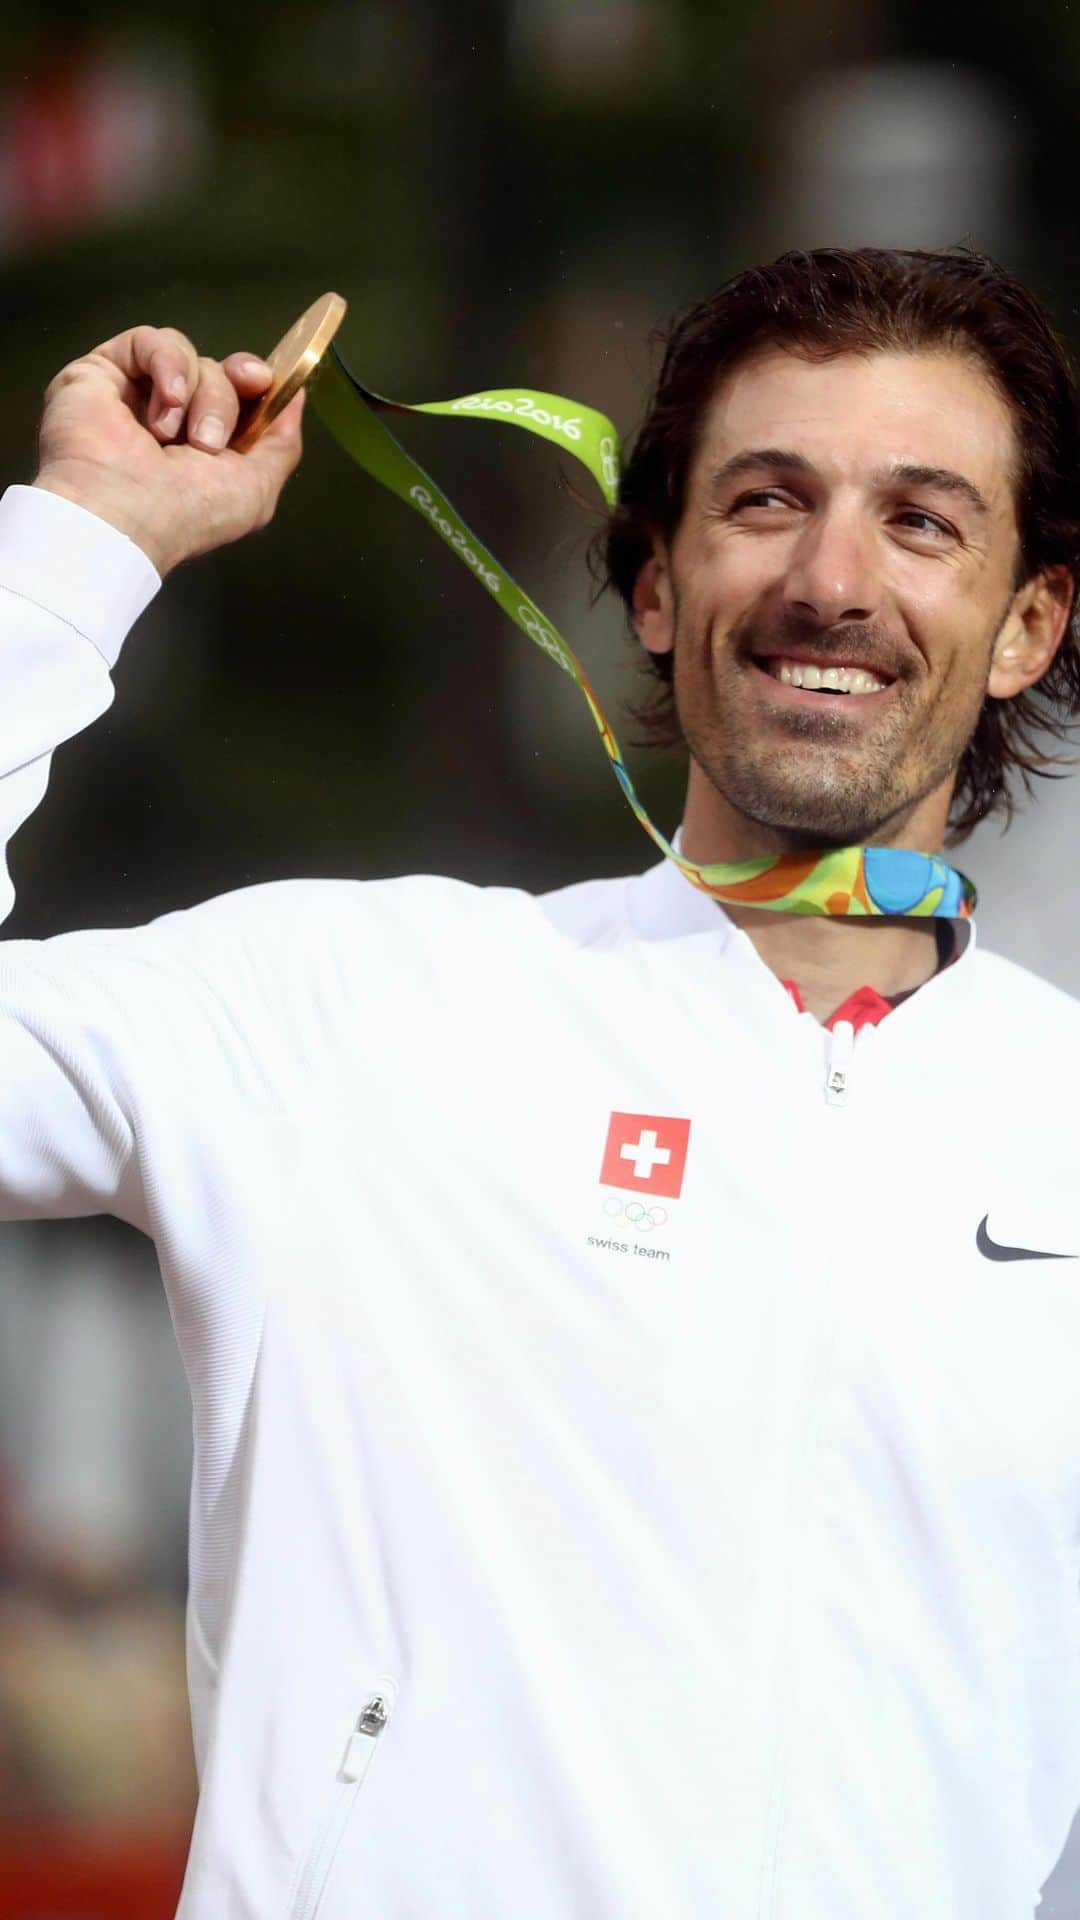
[(833, 678)]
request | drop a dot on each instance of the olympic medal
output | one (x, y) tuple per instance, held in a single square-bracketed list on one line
[(292, 363)]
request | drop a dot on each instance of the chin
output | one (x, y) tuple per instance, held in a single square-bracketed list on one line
[(804, 818), (824, 838), (806, 836)]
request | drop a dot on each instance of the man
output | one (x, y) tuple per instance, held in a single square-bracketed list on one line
[(637, 1449)]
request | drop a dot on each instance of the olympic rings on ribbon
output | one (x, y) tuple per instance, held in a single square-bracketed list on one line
[(835, 881)]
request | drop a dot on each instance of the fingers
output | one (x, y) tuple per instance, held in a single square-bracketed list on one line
[(187, 389), (169, 361), (249, 375), (212, 409)]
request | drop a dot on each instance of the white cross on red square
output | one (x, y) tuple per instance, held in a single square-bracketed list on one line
[(646, 1152)]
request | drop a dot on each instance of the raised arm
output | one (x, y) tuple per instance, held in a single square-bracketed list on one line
[(134, 478), (70, 587)]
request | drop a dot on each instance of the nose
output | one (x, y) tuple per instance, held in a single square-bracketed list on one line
[(834, 573)]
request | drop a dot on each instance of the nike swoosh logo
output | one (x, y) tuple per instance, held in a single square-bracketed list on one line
[(993, 1252)]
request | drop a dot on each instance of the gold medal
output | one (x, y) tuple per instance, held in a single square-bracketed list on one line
[(292, 363)]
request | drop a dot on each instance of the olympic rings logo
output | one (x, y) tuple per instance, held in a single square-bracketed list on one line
[(642, 1219), (536, 630), (609, 461)]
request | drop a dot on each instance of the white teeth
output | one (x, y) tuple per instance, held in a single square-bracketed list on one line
[(800, 673)]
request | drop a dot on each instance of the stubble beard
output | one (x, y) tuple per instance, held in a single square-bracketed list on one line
[(812, 784)]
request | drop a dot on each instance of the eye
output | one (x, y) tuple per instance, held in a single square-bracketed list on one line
[(763, 497), (926, 523)]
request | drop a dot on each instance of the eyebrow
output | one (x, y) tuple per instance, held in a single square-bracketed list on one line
[(941, 479), (752, 459)]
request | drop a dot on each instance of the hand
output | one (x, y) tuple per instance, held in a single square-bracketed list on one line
[(137, 431)]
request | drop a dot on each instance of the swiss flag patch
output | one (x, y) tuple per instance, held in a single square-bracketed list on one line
[(646, 1152)]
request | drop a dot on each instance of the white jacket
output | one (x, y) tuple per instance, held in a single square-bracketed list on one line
[(699, 1542)]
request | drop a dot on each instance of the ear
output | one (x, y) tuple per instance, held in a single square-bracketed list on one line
[(1031, 632), (653, 605)]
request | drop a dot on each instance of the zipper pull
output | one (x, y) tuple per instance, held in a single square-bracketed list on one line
[(373, 1717), (839, 1049)]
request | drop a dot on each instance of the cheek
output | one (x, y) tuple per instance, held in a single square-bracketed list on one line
[(936, 607), (965, 674), (953, 629), (722, 580)]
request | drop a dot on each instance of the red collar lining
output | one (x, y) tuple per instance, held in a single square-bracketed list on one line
[(863, 1008), (866, 1007)]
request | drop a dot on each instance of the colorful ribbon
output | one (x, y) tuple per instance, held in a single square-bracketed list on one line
[(847, 880)]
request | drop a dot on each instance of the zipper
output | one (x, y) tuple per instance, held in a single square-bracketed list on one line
[(351, 1774), (839, 1052), (839, 1048), (794, 1651)]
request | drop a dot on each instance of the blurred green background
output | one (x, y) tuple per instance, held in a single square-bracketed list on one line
[(517, 191), (509, 193)]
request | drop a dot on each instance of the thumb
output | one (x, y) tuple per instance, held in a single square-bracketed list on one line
[(277, 452)]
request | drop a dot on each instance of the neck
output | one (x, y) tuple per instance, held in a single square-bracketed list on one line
[(827, 958), (830, 959)]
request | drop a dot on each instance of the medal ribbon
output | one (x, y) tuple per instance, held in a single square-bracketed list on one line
[(846, 880)]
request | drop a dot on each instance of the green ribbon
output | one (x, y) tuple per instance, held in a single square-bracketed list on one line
[(847, 880)]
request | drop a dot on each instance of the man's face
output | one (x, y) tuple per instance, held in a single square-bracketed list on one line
[(852, 517)]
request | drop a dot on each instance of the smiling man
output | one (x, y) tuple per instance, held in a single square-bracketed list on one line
[(859, 481), (632, 1331)]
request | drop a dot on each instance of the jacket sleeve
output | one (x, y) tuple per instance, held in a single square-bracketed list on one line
[(70, 588)]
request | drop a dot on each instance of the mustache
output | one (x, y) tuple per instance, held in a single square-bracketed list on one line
[(864, 641)]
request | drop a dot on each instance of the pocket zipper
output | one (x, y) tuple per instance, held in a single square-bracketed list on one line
[(357, 1758)]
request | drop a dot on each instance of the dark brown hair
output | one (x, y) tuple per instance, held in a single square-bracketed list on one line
[(830, 302)]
